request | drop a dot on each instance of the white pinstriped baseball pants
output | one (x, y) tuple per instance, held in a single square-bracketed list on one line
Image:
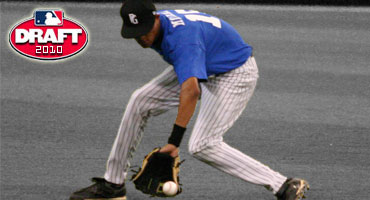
[(223, 99)]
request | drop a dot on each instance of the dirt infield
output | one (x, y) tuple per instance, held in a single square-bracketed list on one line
[(309, 117)]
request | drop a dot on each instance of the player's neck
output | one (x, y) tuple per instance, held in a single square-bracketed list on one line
[(158, 40)]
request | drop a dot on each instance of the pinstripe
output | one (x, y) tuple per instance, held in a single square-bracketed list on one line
[(229, 104), (223, 100), (252, 168), (120, 148), (219, 164), (231, 92), (148, 102), (228, 98), (208, 110), (204, 114), (256, 166), (257, 176), (209, 115), (126, 128), (130, 132), (276, 179), (138, 126)]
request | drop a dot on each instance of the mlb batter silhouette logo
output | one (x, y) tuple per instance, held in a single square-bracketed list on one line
[(48, 18)]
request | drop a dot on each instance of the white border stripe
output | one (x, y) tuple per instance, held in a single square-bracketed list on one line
[(200, 6)]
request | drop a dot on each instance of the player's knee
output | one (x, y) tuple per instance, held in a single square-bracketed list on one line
[(196, 152), (202, 147), (137, 97), (191, 150), (194, 148), (136, 94)]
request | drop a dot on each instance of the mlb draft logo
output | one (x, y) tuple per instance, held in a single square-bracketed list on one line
[(48, 36), (48, 18)]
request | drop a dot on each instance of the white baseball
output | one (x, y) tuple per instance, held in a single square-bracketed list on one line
[(170, 188)]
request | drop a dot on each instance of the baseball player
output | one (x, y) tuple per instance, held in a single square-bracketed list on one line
[(210, 63)]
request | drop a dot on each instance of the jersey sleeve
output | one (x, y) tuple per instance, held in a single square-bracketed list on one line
[(189, 60)]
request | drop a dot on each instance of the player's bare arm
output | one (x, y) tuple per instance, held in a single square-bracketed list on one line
[(189, 96)]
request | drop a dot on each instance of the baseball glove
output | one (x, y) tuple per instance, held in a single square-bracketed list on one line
[(157, 169)]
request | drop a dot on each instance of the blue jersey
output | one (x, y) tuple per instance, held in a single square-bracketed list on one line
[(199, 45)]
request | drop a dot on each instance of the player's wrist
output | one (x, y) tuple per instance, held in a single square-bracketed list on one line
[(176, 135), (170, 149)]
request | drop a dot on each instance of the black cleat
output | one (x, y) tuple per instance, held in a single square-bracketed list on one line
[(100, 190), (293, 189)]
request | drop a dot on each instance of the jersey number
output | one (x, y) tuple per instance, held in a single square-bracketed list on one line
[(193, 15)]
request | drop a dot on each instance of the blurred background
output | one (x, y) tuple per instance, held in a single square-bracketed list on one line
[(309, 116)]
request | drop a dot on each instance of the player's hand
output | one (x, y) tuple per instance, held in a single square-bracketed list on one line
[(170, 149)]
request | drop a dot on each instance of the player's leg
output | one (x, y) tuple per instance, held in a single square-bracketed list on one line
[(223, 100), (154, 98)]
